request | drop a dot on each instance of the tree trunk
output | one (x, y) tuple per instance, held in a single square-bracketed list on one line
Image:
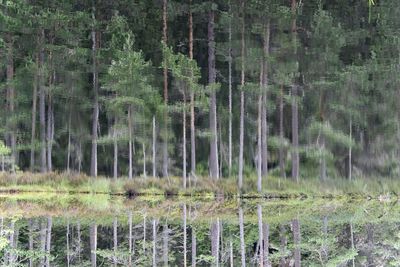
[(230, 90), (130, 143), (115, 166), (264, 124), (260, 236), (260, 132), (283, 245), (144, 234), (115, 240), (192, 115), (352, 242), (67, 240), (43, 232), (295, 109), (130, 239), (33, 123), (213, 160), (95, 116), (154, 243), (30, 246), (322, 159), (50, 123), (194, 247), (350, 150), (215, 242), (42, 107), (69, 142), (296, 242), (230, 252), (266, 244), (184, 236), (241, 128), (281, 144), (165, 244), (93, 244), (242, 245), (184, 141), (11, 97), (48, 240), (154, 148), (165, 73)]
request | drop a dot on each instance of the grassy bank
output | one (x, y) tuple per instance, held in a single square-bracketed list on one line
[(204, 187)]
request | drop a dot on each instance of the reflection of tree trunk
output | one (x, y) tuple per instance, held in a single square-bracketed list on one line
[(154, 243), (130, 238), (144, 235), (266, 244), (67, 240), (242, 245), (79, 245), (115, 166), (283, 241), (93, 244), (48, 240), (11, 240), (296, 241), (30, 247), (184, 140), (325, 234), (215, 242), (260, 236), (115, 240), (184, 236), (194, 247), (352, 242), (259, 133), (165, 244), (370, 244), (230, 252)]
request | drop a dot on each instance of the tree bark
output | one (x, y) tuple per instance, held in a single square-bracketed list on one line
[(230, 90), (30, 246), (184, 140), (93, 245), (34, 115), (154, 148), (215, 242), (95, 116), (295, 109), (283, 245), (242, 83), (184, 236), (281, 145), (115, 240), (213, 160), (194, 247), (192, 104), (241, 232), (130, 144), (350, 150), (165, 244), (296, 241), (260, 236), (11, 97), (260, 132), (165, 73), (42, 107), (115, 165), (48, 240), (154, 243), (264, 129), (144, 160), (50, 121), (266, 244)]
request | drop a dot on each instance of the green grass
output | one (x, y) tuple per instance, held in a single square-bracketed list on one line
[(203, 187)]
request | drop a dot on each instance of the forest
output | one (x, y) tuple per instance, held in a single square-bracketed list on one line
[(190, 88)]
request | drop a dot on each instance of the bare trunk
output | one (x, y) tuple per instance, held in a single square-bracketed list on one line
[(295, 109), (42, 108), (115, 240), (260, 236), (48, 240), (242, 244), (50, 125), (230, 91), (192, 115), (194, 247), (350, 150), (130, 143), (215, 242), (43, 229), (95, 116), (184, 236), (264, 124), (260, 132), (93, 245), (154, 243), (115, 166), (213, 160), (281, 145), (165, 73), (154, 148), (296, 241), (242, 83), (11, 97), (69, 142), (184, 141), (322, 159), (34, 115)]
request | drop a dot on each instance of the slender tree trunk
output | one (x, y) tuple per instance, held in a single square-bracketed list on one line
[(350, 150), (130, 239), (144, 234), (281, 144), (42, 107), (69, 142), (184, 236), (144, 160), (323, 159), (93, 244), (295, 109), (215, 242), (95, 116), (48, 240), (184, 141), (283, 245), (130, 143), (154, 148), (264, 124), (67, 239), (115, 143), (11, 97), (30, 246), (352, 242), (165, 73), (165, 244), (230, 90), (260, 132), (115, 240), (50, 123), (34, 115), (43, 232), (230, 252), (192, 104), (260, 236), (194, 247), (154, 243), (296, 241), (242, 83), (241, 232), (266, 244), (213, 160)]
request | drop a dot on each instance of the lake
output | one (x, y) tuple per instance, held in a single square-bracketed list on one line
[(42, 229)]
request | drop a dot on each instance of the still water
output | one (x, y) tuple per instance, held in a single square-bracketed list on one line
[(97, 230)]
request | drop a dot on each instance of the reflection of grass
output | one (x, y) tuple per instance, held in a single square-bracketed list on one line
[(202, 187)]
